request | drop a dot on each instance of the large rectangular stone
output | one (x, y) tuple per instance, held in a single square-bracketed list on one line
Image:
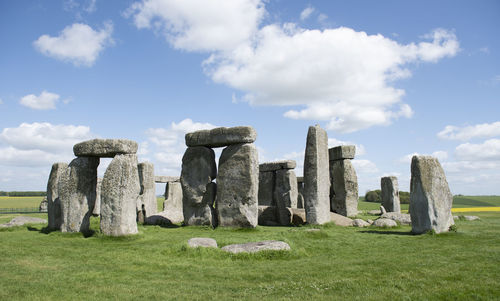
[(166, 179), (222, 136), (342, 152), (344, 189), (277, 165), (107, 148), (266, 188)]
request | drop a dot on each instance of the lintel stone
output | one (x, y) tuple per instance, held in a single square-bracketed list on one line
[(222, 136), (106, 148), (277, 165), (342, 152)]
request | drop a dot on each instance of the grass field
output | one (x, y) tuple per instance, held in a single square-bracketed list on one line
[(333, 264)]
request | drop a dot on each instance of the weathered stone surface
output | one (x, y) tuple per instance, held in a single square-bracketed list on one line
[(385, 223), (166, 179), (382, 210), (470, 217), (222, 136), (430, 196), (300, 188), (369, 221), (266, 188), (340, 220), (344, 189), (402, 218), (268, 215), (107, 148), (22, 220), (119, 193), (285, 189), (43, 207), (97, 205), (147, 196), (299, 216), (172, 206), (277, 165), (300, 201), (77, 192), (390, 194), (202, 242), (342, 152), (360, 223), (374, 212), (253, 247), (53, 201), (316, 177), (238, 184), (198, 191)]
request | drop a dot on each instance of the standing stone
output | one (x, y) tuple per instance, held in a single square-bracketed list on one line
[(238, 184), (344, 190), (149, 205), (430, 196), (54, 202), (285, 194), (172, 206), (266, 187), (97, 206), (316, 177), (198, 191), (390, 194), (77, 192), (119, 193), (300, 188)]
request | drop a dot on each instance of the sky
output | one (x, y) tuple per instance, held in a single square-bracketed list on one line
[(394, 78)]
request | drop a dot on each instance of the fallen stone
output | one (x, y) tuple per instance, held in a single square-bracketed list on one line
[(390, 194), (374, 212), (166, 179), (430, 196), (342, 152), (344, 188), (198, 190), (147, 196), (202, 242), (54, 213), (97, 204), (238, 185), (402, 218), (277, 165), (107, 148), (22, 220), (266, 188), (77, 193), (312, 230), (340, 220), (268, 215), (360, 223), (384, 223), (160, 219), (369, 221), (120, 190), (299, 216), (470, 217), (254, 247), (172, 206), (222, 136), (316, 177)]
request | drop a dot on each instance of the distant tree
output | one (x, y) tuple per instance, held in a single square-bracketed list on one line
[(27, 193), (404, 197), (373, 196)]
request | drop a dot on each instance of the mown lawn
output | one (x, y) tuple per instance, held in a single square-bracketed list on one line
[(333, 263)]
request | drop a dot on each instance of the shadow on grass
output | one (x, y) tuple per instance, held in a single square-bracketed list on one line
[(386, 232), (47, 230)]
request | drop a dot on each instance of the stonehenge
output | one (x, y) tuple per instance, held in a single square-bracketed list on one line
[(390, 194), (54, 203), (344, 182)]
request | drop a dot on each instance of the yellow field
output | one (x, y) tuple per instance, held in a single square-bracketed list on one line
[(476, 209)]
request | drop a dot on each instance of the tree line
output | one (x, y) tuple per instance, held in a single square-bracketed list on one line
[(375, 196), (23, 193)]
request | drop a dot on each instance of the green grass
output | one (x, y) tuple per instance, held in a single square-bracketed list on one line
[(20, 201), (476, 201), (333, 264)]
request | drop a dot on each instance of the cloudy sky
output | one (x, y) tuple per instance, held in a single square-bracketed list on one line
[(395, 78)]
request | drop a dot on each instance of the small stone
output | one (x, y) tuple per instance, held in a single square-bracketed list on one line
[(254, 247), (22, 220), (107, 148), (360, 223), (166, 179), (374, 212), (385, 223), (340, 220), (456, 218), (312, 230), (43, 205), (402, 218), (369, 221), (277, 165), (202, 242), (222, 136), (471, 217), (342, 152)]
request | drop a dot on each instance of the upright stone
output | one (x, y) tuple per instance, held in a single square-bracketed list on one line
[(149, 205), (316, 177), (300, 188), (430, 196), (198, 191), (97, 206), (119, 193), (222, 136), (390, 194), (238, 184), (77, 192), (266, 187), (285, 194), (344, 189), (172, 206), (53, 200)]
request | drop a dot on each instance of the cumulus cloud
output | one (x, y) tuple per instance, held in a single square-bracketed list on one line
[(45, 101), (77, 43), (364, 166), (360, 148), (483, 130), (306, 13), (486, 151), (440, 155), (199, 25)]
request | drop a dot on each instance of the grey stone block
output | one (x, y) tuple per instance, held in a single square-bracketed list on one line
[(53, 201), (342, 152), (390, 194), (105, 148), (277, 165), (222, 136)]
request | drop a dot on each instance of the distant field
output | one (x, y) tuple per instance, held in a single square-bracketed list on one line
[(476, 201), (20, 201)]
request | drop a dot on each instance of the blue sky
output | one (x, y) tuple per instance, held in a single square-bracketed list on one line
[(394, 78)]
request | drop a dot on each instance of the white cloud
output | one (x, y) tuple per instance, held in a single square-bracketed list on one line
[(484, 130), (440, 155), (486, 151), (45, 101), (467, 166), (364, 166), (360, 148), (1, 101), (306, 13), (199, 25), (322, 18), (77, 43)]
